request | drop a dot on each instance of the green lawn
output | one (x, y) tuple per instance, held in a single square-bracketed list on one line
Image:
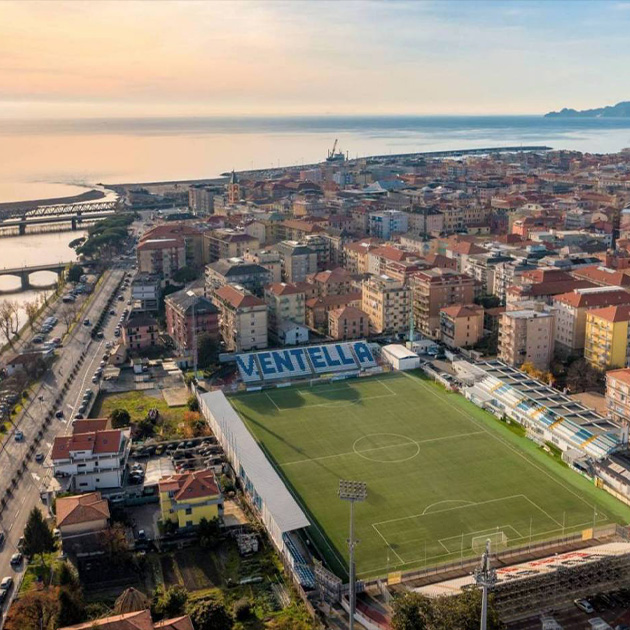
[(138, 403), (442, 475)]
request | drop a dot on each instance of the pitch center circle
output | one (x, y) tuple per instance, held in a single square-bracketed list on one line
[(386, 448)]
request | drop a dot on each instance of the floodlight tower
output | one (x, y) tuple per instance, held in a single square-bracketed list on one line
[(352, 491), (485, 577)]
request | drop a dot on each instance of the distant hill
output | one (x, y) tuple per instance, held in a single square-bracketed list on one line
[(620, 110)]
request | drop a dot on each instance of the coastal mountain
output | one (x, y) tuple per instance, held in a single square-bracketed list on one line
[(620, 110)]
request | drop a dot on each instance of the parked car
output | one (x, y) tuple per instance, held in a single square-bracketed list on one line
[(2, 538), (584, 605), (16, 559), (86, 322), (59, 414), (6, 584), (18, 436), (39, 458)]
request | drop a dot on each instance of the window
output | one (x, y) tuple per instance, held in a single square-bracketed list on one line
[(188, 511)]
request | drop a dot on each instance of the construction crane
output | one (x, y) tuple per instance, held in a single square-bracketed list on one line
[(335, 157)]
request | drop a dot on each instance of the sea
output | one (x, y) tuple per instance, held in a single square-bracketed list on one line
[(54, 158)]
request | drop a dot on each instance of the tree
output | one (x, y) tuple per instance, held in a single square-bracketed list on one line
[(185, 275), (206, 350), (582, 376), (242, 609), (115, 544), (71, 609), (74, 273), (34, 610), (209, 533), (193, 403), (31, 308), (38, 538), (210, 614), (67, 576), (9, 319), (144, 428), (68, 314), (120, 418), (171, 602), (411, 612)]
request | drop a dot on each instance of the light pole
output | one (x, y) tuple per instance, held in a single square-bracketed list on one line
[(352, 491), (193, 295), (486, 578)]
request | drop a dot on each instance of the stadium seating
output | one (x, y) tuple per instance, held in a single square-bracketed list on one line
[(304, 362), (304, 572), (248, 368)]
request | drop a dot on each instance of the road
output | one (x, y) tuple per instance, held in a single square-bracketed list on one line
[(80, 354)]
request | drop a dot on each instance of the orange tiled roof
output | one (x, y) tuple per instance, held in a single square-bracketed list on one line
[(82, 508)]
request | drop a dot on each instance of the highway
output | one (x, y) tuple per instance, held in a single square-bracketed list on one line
[(82, 355)]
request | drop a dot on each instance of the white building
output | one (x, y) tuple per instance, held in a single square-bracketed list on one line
[(400, 357), (91, 460), (384, 224), (145, 292)]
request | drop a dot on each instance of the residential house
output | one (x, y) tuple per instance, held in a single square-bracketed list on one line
[(186, 498), (91, 460), (236, 271), (137, 620)]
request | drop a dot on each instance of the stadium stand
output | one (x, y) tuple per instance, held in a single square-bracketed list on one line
[(306, 362), (543, 410), (302, 569)]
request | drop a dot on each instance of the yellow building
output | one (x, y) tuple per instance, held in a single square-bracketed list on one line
[(606, 338), (186, 498)]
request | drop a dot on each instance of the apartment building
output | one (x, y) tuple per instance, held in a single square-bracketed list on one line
[(189, 314), (267, 258), (380, 257), (161, 256), (387, 303), (606, 337), (348, 323), (227, 243), (145, 292), (386, 223), (332, 282), (506, 274), (319, 308), (571, 309), (188, 497), (298, 260), (425, 221), (286, 302), (461, 325), (140, 332), (242, 319), (434, 289), (618, 395), (527, 335), (201, 199), (481, 267), (234, 271), (321, 246), (91, 460), (356, 256)]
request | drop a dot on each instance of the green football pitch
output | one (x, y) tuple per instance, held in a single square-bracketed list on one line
[(443, 476)]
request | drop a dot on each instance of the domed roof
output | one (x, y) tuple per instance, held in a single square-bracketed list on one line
[(131, 600)]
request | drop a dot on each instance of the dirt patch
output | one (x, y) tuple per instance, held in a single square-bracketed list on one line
[(198, 569), (168, 571)]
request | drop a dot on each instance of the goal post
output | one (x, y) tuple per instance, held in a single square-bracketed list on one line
[(498, 542)]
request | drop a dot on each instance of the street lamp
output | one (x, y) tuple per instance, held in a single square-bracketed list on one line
[(193, 295), (486, 578), (352, 491)]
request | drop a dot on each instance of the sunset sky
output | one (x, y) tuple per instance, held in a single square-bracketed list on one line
[(101, 58)]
